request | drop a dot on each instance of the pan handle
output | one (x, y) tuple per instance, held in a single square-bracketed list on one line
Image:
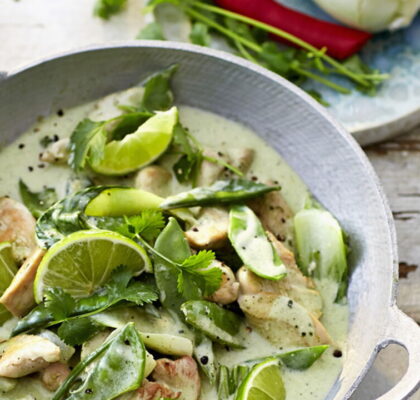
[(404, 331)]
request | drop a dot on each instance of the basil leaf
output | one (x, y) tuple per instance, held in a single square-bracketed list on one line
[(221, 192), (37, 203)]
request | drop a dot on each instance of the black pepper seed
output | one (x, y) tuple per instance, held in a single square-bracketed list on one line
[(127, 342), (41, 165), (30, 168), (195, 229), (21, 146), (56, 138), (88, 391), (60, 113), (303, 334), (290, 303), (204, 360), (337, 353)]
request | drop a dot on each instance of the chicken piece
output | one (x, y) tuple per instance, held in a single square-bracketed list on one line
[(54, 375), (155, 179), (154, 391), (18, 298), (229, 287), (242, 158), (26, 354), (17, 226), (211, 229), (57, 152), (274, 214), (209, 171), (180, 375), (282, 321)]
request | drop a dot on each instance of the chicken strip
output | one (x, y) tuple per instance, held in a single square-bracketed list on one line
[(17, 226), (180, 376), (155, 179), (229, 287), (242, 158), (210, 230), (154, 391), (26, 354), (209, 171), (18, 298), (54, 375)]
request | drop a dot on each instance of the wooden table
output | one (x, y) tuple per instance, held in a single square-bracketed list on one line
[(34, 29)]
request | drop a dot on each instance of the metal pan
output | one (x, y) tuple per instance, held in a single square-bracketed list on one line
[(320, 151)]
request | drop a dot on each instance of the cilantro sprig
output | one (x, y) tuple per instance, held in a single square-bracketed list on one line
[(60, 307), (194, 272)]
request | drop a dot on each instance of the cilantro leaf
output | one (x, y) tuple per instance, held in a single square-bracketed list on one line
[(81, 141), (152, 31), (37, 203), (77, 331), (158, 95), (59, 303), (148, 225), (106, 8), (200, 34)]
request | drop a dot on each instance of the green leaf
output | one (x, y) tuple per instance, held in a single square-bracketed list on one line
[(152, 31), (158, 95), (148, 225), (221, 192), (59, 303), (279, 61), (106, 8), (77, 331), (37, 203), (321, 248), (200, 34), (302, 358), (219, 324), (117, 368)]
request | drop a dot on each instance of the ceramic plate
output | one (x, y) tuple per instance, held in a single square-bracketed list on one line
[(396, 107)]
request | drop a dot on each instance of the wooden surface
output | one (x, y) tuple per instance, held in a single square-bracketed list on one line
[(34, 29)]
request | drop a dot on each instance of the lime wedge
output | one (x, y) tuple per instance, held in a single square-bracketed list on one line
[(83, 261), (264, 382), (139, 148), (8, 270)]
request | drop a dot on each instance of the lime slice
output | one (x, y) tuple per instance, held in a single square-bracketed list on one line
[(264, 382), (139, 148), (83, 262), (8, 270)]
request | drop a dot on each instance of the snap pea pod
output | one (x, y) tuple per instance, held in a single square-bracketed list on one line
[(119, 368), (299, 359), (215, 322), (252, 245), (229, 379), (221, 192)]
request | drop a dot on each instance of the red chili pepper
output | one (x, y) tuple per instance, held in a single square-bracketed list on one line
[(341, 42)]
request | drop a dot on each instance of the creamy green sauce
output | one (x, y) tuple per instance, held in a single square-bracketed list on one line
[(20, 160)]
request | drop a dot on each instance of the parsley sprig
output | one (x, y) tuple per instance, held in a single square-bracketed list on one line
[(194, 272)]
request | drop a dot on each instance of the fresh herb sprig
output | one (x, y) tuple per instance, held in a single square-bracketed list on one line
[(193, 271), (248, 37), (60, 307)]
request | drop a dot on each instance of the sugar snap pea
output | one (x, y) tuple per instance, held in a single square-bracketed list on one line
[(221, 192), (252, 245), (217, 323), (119, 368)]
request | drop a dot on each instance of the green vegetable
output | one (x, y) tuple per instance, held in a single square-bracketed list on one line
[(88, 140), (229, 379), (157, 90), (203, 350), (37, 203), (248, 237), (200, 34), (321, 248), (119, 368), (174, 263), (106, 8), (248, 37), (299, 359), (8, 269), (152, 31), (78, 331), (221, 192), (217, 323), (60, 306)]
